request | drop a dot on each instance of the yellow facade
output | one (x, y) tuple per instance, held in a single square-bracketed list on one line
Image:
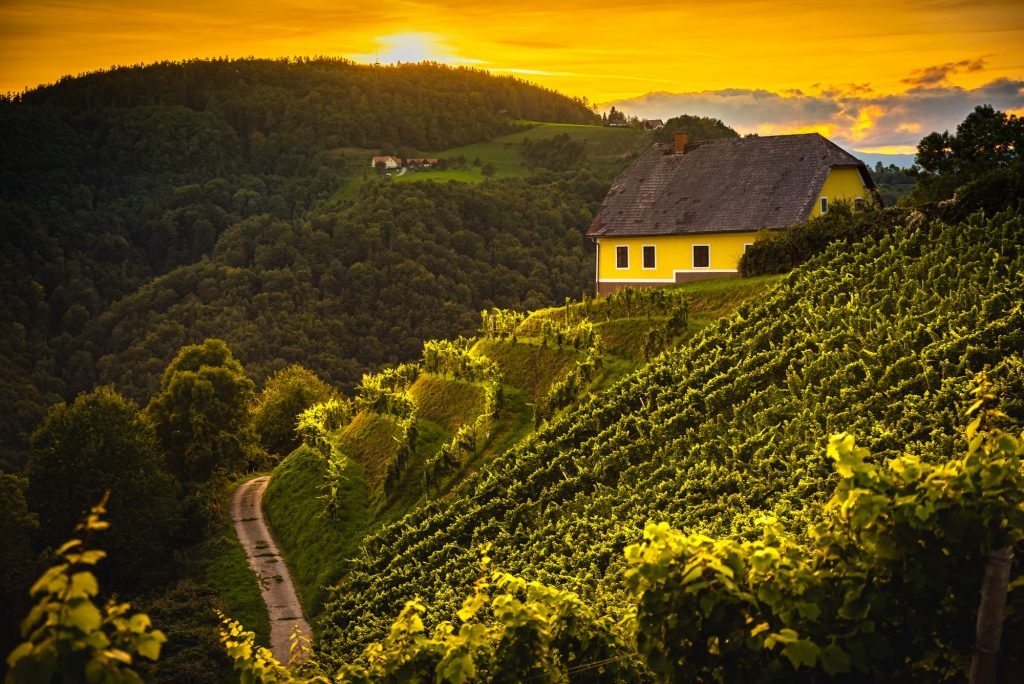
[(842, 185), (674, 254)]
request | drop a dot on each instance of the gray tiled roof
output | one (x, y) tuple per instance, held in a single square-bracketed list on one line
[(737, 184)]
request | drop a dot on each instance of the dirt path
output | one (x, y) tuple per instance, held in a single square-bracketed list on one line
[(265, 560)]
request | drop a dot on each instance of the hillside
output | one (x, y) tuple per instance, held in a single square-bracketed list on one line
[(605, 150), (534, 362), (142, 205), (881, 340)]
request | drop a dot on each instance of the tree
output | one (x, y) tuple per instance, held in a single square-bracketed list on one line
[(986, 139), (68, 637), (201, 415), (17, 526), (98, 443), (287, 394), (697, 127), (984, 156)]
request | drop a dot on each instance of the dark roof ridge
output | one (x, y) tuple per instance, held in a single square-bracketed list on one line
[(724, 185)]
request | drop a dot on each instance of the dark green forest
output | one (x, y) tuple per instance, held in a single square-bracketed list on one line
[(144, 208)]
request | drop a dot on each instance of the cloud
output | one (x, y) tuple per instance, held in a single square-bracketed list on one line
[(853, 116), (935, 75)]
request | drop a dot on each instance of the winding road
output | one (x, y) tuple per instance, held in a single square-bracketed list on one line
[(265, 560)]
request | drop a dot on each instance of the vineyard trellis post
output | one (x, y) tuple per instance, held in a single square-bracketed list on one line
[(989, 630)]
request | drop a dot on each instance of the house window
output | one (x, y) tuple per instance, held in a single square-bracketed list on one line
[(648, 256), (622, 256), (824, 205), (858, 203), (702, 256), (747, 246)]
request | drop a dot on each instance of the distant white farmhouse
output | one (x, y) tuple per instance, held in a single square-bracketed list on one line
[(388, 161)]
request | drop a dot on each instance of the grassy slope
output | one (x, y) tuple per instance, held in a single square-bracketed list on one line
[(528, 366), (317, 551), (448, 403), (603, 145), (882, 341), (316, 547)]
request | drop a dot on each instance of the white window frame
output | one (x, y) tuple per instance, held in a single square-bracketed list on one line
[(858, 202), (746, 246), (823, 205), (617, 267), (643, 257), (693, 255)]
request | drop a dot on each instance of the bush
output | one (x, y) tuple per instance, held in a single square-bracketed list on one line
[(287, 394), (782, 251)]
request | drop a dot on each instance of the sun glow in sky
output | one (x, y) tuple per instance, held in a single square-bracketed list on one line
[(872, 73)]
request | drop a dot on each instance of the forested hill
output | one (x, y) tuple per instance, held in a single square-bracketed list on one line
[(322, 102), (115, 179), (882, 339)]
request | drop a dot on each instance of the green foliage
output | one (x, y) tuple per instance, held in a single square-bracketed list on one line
[(18, 525), (99, 443), (68, 637), (532, 369), (697, 127), (781, 251), (901, 550), (500, 323), (452, 358), (558, 153), (985, 139), (508, 630), (148, 208), (568, 389), (285, 395), (201, 415), (980, 167), (880, 339), (317, 423), (185, 613), (893, 183)]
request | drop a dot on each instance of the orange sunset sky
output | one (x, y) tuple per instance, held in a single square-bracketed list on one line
[(875, 76)]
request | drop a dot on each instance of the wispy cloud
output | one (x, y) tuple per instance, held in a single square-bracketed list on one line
[(939, 74), (853, 116)]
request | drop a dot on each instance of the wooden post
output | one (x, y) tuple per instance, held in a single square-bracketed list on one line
[(989, 631)]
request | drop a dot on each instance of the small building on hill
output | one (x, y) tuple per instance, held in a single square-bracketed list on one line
[(425, 163), (385, 161), (653, 124), (687, 211)]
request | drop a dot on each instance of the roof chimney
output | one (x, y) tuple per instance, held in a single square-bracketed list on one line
[(680, 143)]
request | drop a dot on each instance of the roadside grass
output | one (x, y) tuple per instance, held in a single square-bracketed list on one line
[(225, 569), (316, 547)]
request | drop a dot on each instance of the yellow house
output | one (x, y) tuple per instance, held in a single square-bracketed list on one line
[(687, 211)]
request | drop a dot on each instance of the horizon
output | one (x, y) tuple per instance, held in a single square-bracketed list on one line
[(883, 76)]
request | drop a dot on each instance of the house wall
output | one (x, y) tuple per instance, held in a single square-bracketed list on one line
[(673, 259), (841, 185)]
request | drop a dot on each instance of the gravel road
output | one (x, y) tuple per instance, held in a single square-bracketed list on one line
[(265, 560)]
